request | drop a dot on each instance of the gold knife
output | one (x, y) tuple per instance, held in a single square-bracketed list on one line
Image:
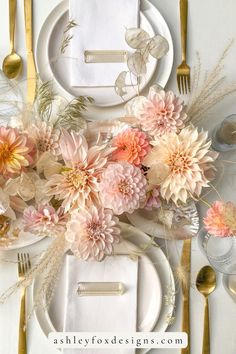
[(186, 265), (31, 69)]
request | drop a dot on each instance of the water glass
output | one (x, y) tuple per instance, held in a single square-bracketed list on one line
[(220, 251)]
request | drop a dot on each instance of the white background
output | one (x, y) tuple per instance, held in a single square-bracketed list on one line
[(211, 26)]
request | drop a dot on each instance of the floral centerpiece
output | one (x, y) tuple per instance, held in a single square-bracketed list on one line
[(66, 184)]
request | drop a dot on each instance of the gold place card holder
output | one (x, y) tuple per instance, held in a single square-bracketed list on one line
[(100, 289), (105, 56)]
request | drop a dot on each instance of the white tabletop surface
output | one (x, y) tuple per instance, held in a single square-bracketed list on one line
[(211, 27)]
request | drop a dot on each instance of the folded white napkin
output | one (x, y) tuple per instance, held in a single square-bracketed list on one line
[(101, 26), (101, 313)]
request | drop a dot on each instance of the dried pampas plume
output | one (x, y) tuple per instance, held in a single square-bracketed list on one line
[(209, 89), (48, 268)]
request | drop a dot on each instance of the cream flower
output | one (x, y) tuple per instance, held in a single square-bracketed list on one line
[(92, 232), (46, 137), (189, 160), (78, 181), (10, 202)]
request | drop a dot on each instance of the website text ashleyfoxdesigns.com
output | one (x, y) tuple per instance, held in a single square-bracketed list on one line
[(118, 340)]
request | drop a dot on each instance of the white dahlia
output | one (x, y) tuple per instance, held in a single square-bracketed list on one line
[(92, 233), (189, 160)]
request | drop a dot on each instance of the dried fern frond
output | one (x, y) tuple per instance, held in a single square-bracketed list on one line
[(67, 37), (45, 97), (71, 117), (209, 90)]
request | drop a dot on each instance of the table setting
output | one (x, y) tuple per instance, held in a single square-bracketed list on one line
[(117, 173)]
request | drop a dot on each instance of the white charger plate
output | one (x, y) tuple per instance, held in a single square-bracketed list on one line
[(136, 238), (24, 239), (49, 41)]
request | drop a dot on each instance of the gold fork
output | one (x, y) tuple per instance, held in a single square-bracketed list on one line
[(23, 267), (183, 71)]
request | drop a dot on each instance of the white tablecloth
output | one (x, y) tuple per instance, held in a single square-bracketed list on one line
[(211, 27)]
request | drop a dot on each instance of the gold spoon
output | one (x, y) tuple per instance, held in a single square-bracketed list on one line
[(12, 64), (206, 284)]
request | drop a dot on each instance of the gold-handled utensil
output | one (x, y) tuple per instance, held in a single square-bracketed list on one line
[(23, 267), (186, 265), (12, 64), (31, 69), (206, 284), (183, 71)]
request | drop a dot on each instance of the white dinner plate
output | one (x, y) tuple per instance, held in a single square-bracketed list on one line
[(24, 238), (160, 284), (60, 68), (149, 293), (49, 68)]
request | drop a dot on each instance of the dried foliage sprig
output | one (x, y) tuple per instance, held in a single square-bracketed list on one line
[(71, 117), (208, 89), (45, 98), (67, 37)]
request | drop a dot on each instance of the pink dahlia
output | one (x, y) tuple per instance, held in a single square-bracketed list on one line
[(46, 138), (221, 219), (92, 232), (78, 181), (16, 151), (122, 188), (132, 146), (161, 113), (45, 220)]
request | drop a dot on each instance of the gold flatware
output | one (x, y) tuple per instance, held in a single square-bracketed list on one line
[(23, 267), (206, 284), (31, 69), (186, 265), (12, 64), (183, 71)]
